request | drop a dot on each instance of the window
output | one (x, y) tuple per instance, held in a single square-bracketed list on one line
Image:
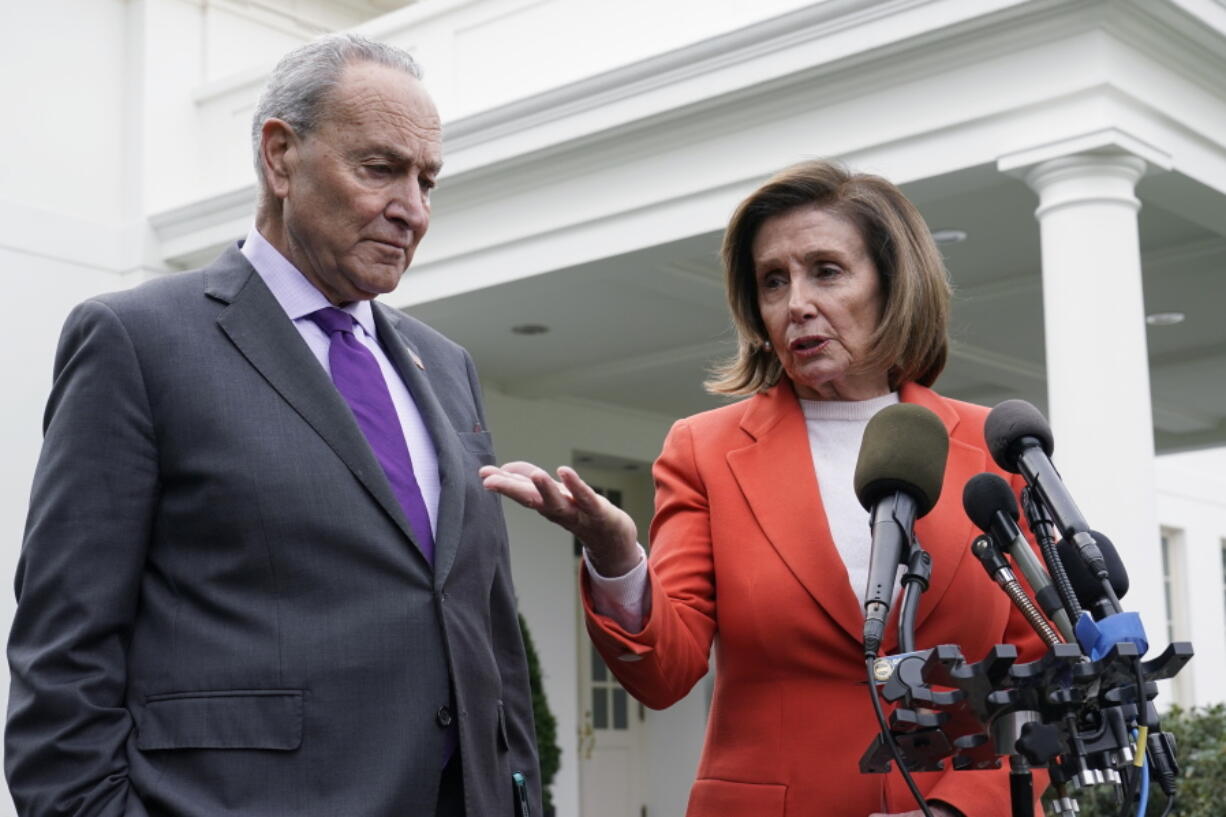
[(1224, 569), (1175, 584), (1175, 593), (1166, 586)]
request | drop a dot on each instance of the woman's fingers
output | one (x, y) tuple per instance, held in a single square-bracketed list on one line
[(608, 532), (515, 467), (585, 498), (532, 487), (519, 489), (514, 481), (556, 499), (570, 503)]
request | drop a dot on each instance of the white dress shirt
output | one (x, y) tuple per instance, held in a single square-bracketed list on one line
[(299, 298)]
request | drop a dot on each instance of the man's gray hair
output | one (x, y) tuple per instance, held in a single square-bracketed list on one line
[(300, 83)]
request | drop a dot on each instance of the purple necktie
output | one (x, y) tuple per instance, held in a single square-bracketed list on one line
[(360, 381)]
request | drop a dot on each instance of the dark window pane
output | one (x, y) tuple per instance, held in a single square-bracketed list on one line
[(599, 671), (620, 721), (600, 708)]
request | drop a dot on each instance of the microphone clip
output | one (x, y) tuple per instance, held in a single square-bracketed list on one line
[(919, 569)]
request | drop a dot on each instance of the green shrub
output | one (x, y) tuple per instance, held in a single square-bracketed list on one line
[(1200, 746), (546, 725)]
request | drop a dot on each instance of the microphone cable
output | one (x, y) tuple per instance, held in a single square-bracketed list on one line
[(1042, 525), (1132, 774), (888, 737)]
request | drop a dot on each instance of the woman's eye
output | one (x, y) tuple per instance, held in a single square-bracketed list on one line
[(828, 271), (773, 280)]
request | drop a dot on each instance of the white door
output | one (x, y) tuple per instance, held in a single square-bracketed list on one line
[(611, 749)]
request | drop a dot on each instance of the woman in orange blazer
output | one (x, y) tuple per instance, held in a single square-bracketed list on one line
[(840, 301)]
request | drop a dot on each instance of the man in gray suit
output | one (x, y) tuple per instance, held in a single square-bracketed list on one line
[(260, 575)]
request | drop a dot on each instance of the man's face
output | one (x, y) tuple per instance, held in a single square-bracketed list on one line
[(356, 191)]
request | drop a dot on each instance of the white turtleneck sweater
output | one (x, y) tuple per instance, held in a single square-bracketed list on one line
[(835, 430)]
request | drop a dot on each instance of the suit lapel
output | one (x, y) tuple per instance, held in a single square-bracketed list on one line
[(791, 515), (257, 325), (415, 371), (775, 474)]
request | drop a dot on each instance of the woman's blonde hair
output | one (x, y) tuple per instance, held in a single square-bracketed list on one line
[(909, 343)]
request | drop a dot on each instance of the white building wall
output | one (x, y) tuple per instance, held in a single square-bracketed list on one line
[(63, 91), (1192, 506)]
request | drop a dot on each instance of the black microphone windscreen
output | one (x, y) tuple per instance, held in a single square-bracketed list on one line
[(1085, 584), (986, 494), (904, 449), (1008, 423)]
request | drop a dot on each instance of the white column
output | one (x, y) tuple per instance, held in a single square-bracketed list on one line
[(1097, 365)]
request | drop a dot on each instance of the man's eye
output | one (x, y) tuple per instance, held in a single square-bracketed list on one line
[(380, 170)]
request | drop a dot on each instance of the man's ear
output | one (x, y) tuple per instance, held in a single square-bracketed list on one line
[(278, 155)]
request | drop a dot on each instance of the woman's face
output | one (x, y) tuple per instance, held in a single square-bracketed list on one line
[(820, 298)]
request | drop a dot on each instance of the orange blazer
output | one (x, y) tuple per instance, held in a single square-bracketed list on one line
[(741, 550)]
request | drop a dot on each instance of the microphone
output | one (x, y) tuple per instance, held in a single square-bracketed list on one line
[(989, 503), (987, 554), (1020, 441), (898, 479), (1087, 587)]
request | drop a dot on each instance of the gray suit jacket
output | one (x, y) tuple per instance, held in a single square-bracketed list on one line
[(220, 606)]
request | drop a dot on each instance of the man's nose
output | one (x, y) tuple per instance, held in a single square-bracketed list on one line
[(410, 205)]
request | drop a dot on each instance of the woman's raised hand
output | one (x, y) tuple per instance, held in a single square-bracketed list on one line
[(606, 531)]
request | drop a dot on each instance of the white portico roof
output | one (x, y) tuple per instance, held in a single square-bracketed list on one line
[(594, 205)]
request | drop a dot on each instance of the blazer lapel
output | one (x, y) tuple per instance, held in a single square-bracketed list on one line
[(945, 532), (791, 514), (257, 325), (415, 371), (789, 509)]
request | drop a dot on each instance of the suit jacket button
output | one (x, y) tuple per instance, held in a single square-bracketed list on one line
[(443, 716)]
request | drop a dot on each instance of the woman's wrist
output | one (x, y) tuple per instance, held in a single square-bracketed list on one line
[(613, 561)]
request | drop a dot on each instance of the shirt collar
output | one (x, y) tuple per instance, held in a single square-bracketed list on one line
[(297, 296)]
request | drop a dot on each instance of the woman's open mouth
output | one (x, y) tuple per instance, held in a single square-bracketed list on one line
[(810, 344)]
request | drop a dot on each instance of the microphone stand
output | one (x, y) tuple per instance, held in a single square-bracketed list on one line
[(1061, 712), (914, 583)]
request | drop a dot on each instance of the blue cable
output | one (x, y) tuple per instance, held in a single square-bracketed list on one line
[(1144, 802)]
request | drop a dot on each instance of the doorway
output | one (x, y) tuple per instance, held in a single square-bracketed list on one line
[(611, 722)]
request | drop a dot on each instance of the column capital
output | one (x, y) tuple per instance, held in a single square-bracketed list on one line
[(1086, 178), (1102, 166), (1103, 142)]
